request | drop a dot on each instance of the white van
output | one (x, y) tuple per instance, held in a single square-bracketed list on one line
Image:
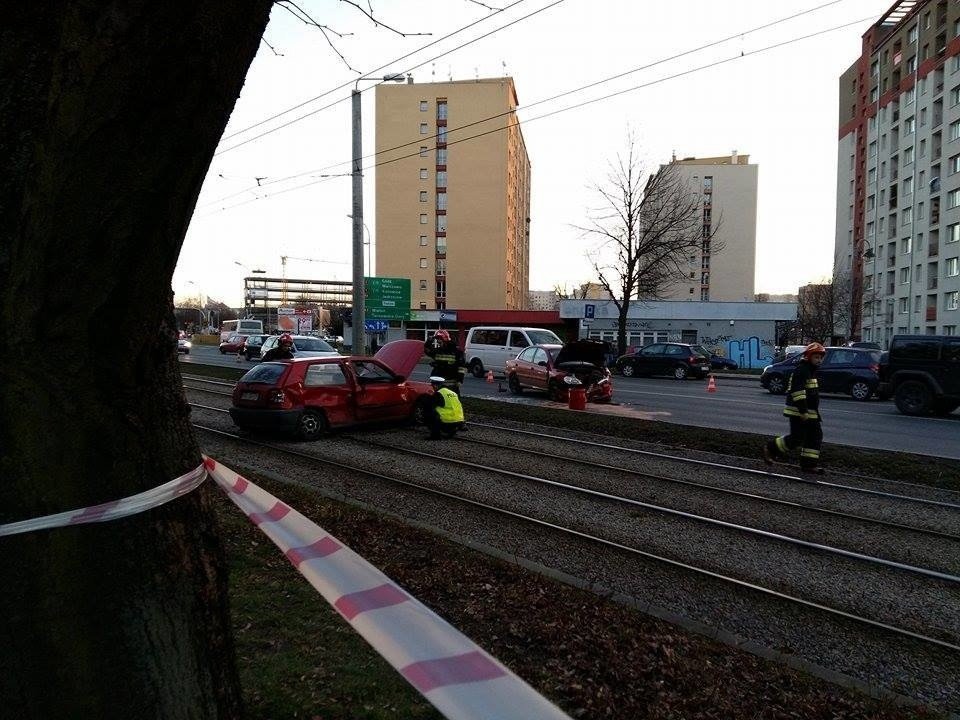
[(489, 348)]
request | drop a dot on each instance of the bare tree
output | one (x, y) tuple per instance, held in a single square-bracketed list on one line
[(824, 309), (576, 293), (648, 226)]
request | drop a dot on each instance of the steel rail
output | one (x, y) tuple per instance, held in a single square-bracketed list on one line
[(722, 466), (598, 540), (717, 488)]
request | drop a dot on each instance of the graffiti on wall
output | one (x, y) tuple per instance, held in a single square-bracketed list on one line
[(751, 352)]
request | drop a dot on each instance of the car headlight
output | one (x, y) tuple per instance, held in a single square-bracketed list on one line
[(571, 380), (187, 343)]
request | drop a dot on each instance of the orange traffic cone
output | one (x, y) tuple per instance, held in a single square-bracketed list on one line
[(489, 376), (712, 385)]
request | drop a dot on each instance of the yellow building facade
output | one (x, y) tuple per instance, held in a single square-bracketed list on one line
[(453, 193)]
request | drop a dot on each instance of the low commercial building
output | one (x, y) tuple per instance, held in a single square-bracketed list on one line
[(746, 332)]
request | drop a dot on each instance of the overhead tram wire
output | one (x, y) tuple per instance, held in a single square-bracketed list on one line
[(371, 72), (412, 67), (563, 109), (640, 68)]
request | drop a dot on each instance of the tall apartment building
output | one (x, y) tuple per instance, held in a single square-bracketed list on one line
[(728, 189), (455, 216), (898, 174)]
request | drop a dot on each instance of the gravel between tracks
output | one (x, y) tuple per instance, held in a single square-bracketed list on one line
[(897, 664)]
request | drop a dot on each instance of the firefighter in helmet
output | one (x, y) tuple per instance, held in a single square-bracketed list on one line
[(282, 351), (448, 360), (803, 411)]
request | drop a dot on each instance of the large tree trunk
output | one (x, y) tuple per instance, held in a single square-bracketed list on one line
[(109, 116)]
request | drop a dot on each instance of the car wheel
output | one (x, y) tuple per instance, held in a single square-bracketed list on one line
[(628, 370), (553, 391), (476, 369), (942, 408), (420, 410), (514, 382), (680, 372), (311, 425), (861, 390), (777, 385), (913, 398)]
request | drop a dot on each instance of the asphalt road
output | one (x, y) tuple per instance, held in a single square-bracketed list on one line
[(737, 405)]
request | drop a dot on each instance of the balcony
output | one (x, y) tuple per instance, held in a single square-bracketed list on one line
[(931, 314)]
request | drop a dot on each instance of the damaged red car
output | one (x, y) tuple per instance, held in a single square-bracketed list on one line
[(309, 396), (556, 368)]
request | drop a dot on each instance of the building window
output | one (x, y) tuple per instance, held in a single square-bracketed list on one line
[(955, 128), (908, 156), (911, 68), (423, 129), (423, 218), (441, 201), (423, 284), (909, 126), (442, 134), (423, 306), (423, 241), (949, 329), (902, 306), (909, 96), (904, 276), (875, 68), (912, 35), (441, 267), (921, 211), (871, 202), (423, 173), (950, 267), (441, 245), (905, 246), (441, 109), (951, 300), (907, 216), (441, 178), (872, 175), (908, 185), (423, 196), (873, 147), (423, 151), (708, 183), (441, 156), (874, 93), (423, 106), (441, 223), (423, 262), (953, 233), (953, 199)]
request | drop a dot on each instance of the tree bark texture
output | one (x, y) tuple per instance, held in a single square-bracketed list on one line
[(109, 116)]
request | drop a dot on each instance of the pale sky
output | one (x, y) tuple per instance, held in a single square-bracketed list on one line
[(779, 106)]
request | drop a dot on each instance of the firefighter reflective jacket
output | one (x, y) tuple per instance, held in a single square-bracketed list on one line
[(449, 363), (803, 395), (451, 411)]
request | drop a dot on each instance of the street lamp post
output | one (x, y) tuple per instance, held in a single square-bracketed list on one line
[(359, 310)]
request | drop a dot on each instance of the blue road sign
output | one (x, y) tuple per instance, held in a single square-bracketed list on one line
[(589, 311), (376, 326)]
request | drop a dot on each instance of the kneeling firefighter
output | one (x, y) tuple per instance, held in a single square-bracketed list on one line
[(446, 416)]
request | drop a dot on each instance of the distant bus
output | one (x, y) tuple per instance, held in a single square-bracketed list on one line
[(240, 327)]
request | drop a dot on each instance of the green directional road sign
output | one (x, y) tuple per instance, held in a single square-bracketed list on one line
[(387, 298)]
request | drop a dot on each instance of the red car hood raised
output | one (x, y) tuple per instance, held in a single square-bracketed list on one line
[(401, 356)]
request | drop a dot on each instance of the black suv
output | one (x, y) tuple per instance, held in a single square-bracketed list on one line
[(852, 371), (677, 359), (922, 374)]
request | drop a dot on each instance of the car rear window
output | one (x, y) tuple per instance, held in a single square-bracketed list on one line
[(265, 374), (915, 350), (312, 345)]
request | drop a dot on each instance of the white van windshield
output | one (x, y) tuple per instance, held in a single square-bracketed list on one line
[(543, 337)]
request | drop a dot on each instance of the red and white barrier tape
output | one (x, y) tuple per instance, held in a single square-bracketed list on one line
[(115, 508), (461, 680)]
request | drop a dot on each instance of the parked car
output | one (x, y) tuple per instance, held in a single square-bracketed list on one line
[(303, 346), (556, 368), (308, 396), (489, 348), (865, 345), (718, 362), (922, 374), (252, 345), (677, 359), (851, 371), (233, 344), (183, 343)]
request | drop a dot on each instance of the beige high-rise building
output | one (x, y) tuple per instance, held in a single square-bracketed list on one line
[(728, 189), (453, 193)]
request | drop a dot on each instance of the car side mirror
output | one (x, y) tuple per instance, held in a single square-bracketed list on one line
[(400, 379), (542, 363)]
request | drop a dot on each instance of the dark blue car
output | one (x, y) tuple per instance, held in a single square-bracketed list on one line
[(718, 362), (851, 371)]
